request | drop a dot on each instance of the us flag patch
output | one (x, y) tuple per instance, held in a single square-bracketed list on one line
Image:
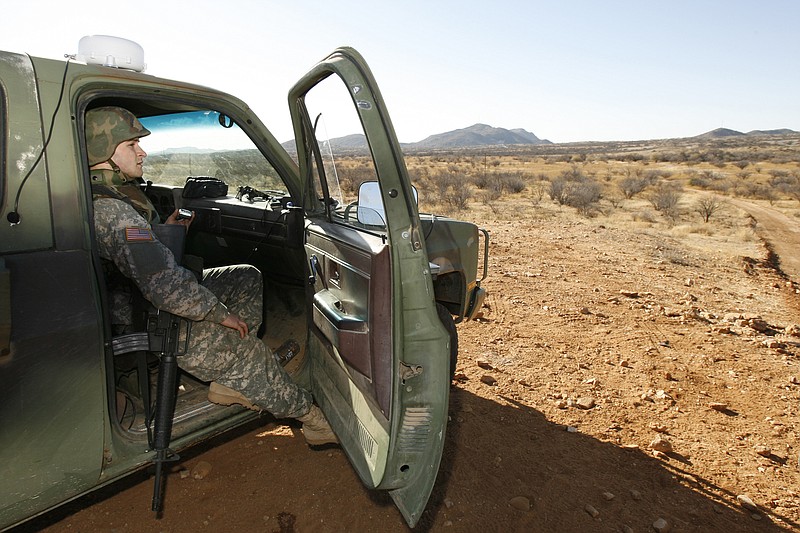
[(138, 234)]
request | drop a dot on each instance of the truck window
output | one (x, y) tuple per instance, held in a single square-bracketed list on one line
[(204, 143), (346, 154)]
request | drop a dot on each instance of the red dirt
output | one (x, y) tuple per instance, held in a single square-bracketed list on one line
[(597, 338)]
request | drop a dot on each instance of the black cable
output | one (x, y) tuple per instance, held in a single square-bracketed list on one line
[(13, 217)]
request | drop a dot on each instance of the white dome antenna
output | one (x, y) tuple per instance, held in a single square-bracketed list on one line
[(110, 51)]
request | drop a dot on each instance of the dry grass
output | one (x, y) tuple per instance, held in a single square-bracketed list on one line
[(514, 182)]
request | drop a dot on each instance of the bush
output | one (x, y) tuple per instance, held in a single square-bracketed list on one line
[(632, 185), (665, 198)]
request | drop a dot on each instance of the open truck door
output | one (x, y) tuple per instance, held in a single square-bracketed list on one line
[(379, 353)]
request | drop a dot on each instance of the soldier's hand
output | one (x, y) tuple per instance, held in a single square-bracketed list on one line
[(185, 222), (234, 322)]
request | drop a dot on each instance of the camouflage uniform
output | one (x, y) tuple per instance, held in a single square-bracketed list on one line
[(122, 218)]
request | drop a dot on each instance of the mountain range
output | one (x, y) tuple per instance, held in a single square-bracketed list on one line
[(485, 135), (725, 132)]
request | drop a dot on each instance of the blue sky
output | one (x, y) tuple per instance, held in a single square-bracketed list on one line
[(565, 70)]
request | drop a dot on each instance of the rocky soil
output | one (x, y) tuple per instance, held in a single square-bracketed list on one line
[(623, 377)]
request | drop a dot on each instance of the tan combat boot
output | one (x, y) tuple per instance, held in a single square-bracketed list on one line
[(316, 429), (222, 395)]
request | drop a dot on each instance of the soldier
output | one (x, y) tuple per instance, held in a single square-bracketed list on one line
[(225, 307)]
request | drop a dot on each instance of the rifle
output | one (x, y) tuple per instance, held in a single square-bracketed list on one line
[(165, 331)]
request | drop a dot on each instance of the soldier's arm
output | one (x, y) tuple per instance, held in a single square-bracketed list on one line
[(126, 238)]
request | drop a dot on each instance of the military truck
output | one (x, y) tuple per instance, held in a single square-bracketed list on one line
[(370, 288)]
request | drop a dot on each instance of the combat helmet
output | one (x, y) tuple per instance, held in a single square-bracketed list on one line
[(108, 126)]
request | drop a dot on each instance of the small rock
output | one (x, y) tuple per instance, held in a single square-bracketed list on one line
[(661, 444), (561, 404), (626, 528), (763, 451), (185, 473), (636, 495), (690, 478), (592, 511), (585, 311), (773, 344), (448, 503), (718, 406), (572, 429), (661, 525), (625, 363), (520, 502), (201, 470), (483, 363), (629, 294), (745, 501), (663, 395), (488, 380), (659, 428), (608, 496), (585, 403)]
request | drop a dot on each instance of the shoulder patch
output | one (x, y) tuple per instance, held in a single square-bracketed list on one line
[(138, 235)]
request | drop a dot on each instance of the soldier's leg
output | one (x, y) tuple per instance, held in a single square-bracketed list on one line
[(216, 353), (240, 288)]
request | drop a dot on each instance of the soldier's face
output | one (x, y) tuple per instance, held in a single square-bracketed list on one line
[(129, 157)]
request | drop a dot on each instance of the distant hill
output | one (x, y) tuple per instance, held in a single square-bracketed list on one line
[(473, 136), (477, 135), (782, 131), (720, 133)]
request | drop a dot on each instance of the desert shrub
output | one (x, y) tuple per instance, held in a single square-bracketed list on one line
[(630, 186), (573, 189), (584, 195), (665, 197), (707, 206), (644, 215), (489, 197), (537, 192), (791, 187), (556, 191), (452, 189), (513, 184), (653, 176), (699, 182), (483, 181)]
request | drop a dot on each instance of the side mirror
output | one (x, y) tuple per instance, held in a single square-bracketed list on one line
[(370, 204)]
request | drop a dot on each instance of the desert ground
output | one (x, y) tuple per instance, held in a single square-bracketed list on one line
[(633, 369)]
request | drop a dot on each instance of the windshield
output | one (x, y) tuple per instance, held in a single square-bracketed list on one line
[(204, 143)]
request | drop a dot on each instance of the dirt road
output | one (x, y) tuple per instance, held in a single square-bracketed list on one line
[(781, 232)]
